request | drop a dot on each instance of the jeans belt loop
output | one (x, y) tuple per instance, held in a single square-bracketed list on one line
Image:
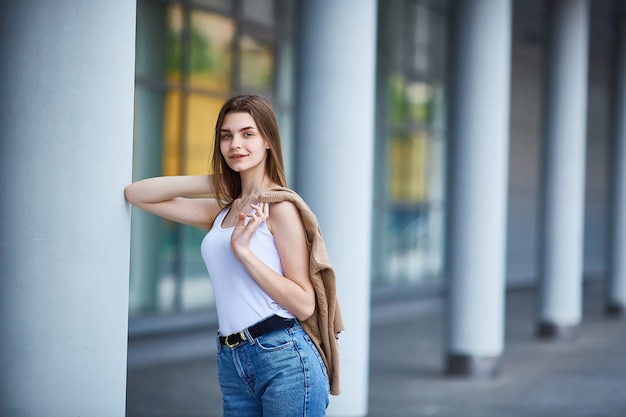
[(247, 336)]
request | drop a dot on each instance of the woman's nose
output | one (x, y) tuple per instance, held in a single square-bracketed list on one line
[(236, 142)]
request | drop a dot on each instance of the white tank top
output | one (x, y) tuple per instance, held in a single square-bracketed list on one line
[(239, 300)]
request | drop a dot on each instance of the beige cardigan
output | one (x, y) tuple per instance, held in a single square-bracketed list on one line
[(324, 325)]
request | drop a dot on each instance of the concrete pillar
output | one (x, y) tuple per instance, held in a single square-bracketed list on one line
[(616, 295), (561, 265), (66, 120), (336, 90), (478, 186)]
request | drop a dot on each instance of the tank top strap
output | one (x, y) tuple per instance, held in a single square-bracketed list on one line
[(220, 217)]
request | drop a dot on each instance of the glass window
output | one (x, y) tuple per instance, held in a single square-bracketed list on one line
[(147, 231), (171, 132), (410, 101), (408, 176), (257, 65), (175, 23), (261, 11), (221, 5), (192, 56), (151, 58), (210, 51), (194, 286), (201, 115), (411, 124), (418, 23)]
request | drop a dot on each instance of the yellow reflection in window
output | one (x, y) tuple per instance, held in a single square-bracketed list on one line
[(408, 168), (209, 67), (202, 114), (171, 133)]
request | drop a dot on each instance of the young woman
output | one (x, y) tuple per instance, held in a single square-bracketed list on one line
[(260, 268)]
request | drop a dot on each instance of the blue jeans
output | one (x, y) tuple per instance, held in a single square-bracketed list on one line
[(279, 374)]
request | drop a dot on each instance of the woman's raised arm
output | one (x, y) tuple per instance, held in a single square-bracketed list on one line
[(176, 198)]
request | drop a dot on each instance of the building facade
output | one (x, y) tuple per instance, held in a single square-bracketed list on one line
[(191, 56), (460, 151)]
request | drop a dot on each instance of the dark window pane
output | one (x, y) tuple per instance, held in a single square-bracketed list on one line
[(261, 11)]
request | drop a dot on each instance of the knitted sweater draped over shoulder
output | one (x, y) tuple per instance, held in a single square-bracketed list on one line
[(324, 326)]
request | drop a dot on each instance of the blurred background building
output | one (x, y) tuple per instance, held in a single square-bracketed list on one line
[(452, 148), (192, 55), (438, 65)]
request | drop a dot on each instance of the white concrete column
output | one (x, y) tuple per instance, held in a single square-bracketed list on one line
[(335, 142), (66, 120), (561, 265), (616, 301), (478, 167)]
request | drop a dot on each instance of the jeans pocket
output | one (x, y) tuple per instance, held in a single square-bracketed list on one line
[(275, 341), (316, 353)]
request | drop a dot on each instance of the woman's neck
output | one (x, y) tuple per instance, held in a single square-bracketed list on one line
[(253, 186)]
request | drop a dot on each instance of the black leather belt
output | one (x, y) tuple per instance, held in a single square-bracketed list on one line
[(263, 327)]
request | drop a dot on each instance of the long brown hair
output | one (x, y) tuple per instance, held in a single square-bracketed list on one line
[(226, 182)]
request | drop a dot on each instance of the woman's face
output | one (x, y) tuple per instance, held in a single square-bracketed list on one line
[(241, 144)]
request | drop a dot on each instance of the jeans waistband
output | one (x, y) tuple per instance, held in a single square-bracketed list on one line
[(265, 326)]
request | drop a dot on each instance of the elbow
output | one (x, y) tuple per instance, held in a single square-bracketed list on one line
[(129, 194), (306, 311)]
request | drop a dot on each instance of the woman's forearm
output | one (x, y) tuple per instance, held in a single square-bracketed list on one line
[(158, 189), (286, 292)]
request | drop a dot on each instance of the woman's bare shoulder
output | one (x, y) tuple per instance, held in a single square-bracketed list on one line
[(284, 214)]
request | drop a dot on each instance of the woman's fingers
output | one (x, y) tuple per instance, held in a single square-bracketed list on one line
[(242, 233), (241, 218), (260, 213), (256, 217)]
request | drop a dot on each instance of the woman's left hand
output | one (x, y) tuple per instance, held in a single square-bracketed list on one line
[(242, 233)]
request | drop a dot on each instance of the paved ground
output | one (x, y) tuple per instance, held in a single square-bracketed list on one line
[(581, 378)]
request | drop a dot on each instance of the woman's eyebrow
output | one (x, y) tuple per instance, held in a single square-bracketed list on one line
[(241, 130)]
